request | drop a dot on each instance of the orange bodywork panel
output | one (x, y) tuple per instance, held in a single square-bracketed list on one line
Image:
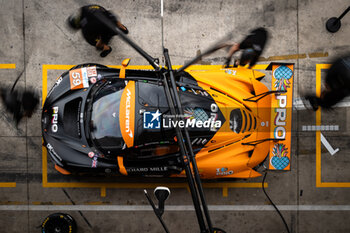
[(127, 114), (229, 89), (61, 170), (122, 169)]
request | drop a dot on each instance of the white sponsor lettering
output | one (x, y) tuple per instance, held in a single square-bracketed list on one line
[(127, 113), (280, 118), (210, 123), (214, 107), (54, 126), (59, 80), (223, 171), (280, 132), (52, 151), (213, 115)]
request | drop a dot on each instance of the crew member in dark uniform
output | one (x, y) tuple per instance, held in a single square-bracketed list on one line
[(95, 32), (20, 103), (252, 47), (337, 85)]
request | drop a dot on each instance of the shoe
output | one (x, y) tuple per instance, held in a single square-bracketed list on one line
[(104, 53), (122, 28)]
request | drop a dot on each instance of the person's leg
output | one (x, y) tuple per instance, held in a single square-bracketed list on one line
[(328, 99), (106, 49), (122, 27), (311, 101), (102, 44)]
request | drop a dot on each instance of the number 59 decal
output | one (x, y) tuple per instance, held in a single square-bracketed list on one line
[(79, 78)]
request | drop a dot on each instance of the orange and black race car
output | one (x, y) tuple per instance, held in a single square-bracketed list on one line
[(192, 122), (155, 122), (106, 120)]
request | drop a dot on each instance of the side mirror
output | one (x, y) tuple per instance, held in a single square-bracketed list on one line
[(125, 64), (162, 194)]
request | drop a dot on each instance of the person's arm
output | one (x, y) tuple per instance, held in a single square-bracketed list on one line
[(234, 48)]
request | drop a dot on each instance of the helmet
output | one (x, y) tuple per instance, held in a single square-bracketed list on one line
[(74, 21)]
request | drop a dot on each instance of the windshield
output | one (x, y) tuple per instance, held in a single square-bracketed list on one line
[(104, 124)]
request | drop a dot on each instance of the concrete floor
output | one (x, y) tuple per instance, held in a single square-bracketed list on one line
[(312, 198)]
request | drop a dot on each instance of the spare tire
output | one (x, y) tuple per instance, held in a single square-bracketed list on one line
[(59, 223)]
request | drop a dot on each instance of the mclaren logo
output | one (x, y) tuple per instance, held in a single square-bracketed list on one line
[(127, 113)]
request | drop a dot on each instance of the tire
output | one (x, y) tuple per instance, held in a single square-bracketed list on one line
[(59, 223), (218, 230)]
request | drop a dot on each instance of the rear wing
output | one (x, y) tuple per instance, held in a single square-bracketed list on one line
[(281, 115)]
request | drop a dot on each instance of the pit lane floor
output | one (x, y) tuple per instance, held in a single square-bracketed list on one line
[(313, 196)]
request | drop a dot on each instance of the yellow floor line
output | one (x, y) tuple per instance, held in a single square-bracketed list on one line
[(314, 55), (318, 122), (283, 57), (224, 191), (319, 183), (7, 66), (12, 203), (7, 184), (103, 191), (294, 56)]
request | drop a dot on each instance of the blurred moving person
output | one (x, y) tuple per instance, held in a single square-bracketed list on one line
[(337, 86), (20, 103), (94, 31), (252, 46)]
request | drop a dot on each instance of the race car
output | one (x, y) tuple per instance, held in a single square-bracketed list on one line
[(106, 120)]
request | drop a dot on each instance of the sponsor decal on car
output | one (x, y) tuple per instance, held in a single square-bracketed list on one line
[(224, 171), (94, 162), (170, 122), (199, 141), (279, 160), (151, 120), (79, 78), (57, 83), (147, 169), (232, 72), (214, 116), (91, 154), (93, 80), (127, 113), (192, 118), (54, 121), (281, 116), (52, 151)]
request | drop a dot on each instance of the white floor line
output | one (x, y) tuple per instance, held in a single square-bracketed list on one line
[(298, 103), (172, 208), (328, 146)]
